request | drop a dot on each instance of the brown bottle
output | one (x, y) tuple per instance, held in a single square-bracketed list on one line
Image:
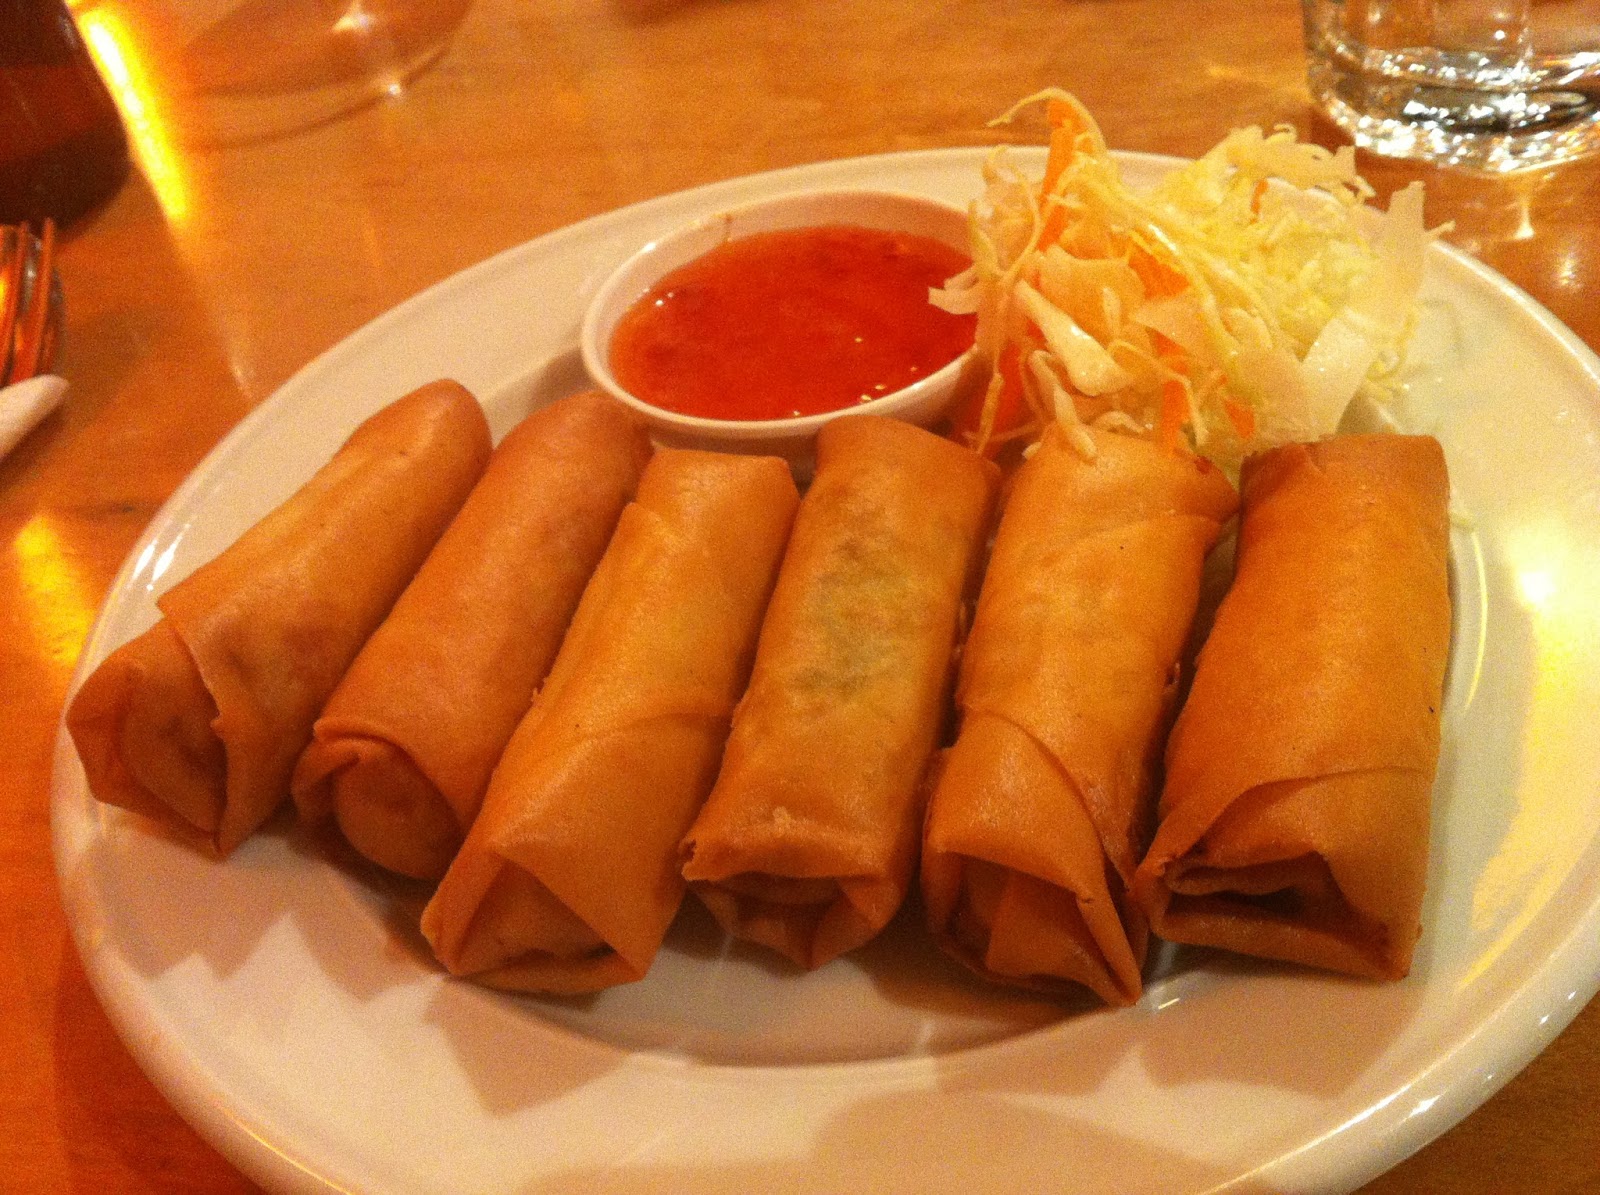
[(62, 145)]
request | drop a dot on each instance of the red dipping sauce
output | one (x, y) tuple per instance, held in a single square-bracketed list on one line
[(795, 322)]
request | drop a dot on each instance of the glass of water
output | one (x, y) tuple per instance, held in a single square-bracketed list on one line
[(1490, 85)]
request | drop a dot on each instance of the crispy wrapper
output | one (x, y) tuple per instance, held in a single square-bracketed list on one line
[(808, 842), (401, 754), (569, 878), (1294, 820), (1043, 804), (199, 720)]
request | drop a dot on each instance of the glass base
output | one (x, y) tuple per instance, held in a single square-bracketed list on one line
[(1463, 127)]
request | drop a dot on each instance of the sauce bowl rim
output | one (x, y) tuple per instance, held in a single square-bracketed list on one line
[(632, 278)]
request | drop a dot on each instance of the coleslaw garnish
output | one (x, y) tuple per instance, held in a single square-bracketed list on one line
[(1245, 301)]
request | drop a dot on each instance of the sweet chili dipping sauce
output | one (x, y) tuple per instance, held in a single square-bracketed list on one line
[(789, 323)]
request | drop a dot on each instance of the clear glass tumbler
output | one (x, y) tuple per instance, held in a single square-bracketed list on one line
[(1490, 85)]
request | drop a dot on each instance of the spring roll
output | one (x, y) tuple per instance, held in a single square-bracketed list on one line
[(198, 722), (569, 878), (402, 753), (1043, 804), (1294, 819), (808, 841)]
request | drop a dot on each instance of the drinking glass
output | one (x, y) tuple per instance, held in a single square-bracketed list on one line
[(1490, 85)]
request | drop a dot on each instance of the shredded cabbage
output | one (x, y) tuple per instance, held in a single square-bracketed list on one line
[(1244, 302)]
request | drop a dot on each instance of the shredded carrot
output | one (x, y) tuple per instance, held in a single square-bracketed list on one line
[(999, 409), (1241, 416), (967, 421), (1092, 240), (1012, 407), (1066, 126), (1256, 197), (1160, 280), (1063, 149), (1174, 410), (1170, 353), (1055, 224), (1062, 114)]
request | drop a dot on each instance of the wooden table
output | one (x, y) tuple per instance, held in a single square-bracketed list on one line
[(270, 216)]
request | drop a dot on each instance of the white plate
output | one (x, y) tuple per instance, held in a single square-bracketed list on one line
[(287, 1008)]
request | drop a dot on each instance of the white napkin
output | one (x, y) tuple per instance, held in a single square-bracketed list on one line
[(24, 404)]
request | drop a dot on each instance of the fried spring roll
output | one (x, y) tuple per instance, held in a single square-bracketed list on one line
[(402, 753), (1294, 820), (808, 841), (199, 720), (1043, 804), (569, 878)]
